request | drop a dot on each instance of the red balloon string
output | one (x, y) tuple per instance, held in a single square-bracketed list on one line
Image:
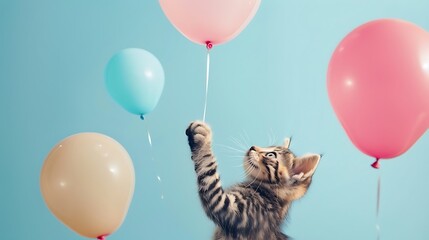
[(209, 45), (376, 164)]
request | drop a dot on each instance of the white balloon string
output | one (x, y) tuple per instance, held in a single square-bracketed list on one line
[(377, 225), (207, 83), (149, 138)]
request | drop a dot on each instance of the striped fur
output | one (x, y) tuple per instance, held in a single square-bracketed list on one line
[(256, 208)]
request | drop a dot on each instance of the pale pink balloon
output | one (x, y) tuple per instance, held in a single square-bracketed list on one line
[(214, 21), (378, 84)]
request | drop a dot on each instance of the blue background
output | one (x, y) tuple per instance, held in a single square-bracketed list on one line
[(268, 83)]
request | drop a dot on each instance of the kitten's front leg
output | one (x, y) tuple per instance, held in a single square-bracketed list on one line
[(227, 210), (199, 138)]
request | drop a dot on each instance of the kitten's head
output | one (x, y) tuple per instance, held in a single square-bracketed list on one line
[(278, 165)]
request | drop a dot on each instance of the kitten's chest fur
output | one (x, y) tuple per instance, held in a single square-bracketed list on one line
[(267, 207), (276, 199)]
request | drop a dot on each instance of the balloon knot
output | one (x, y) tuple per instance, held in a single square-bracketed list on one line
[(209, 45), (103, 237), (141, 117), (376, 164)]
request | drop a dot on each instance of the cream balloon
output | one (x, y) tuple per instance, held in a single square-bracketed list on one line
[(87, 181)]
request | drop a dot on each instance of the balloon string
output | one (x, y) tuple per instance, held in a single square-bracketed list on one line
[(149, 138), (209, 46), (377, 225)]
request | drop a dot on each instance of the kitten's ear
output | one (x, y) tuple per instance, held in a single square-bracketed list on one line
[(306, 164), (286, 143)]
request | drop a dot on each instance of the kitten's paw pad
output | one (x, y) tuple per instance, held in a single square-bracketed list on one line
[(200, 128), (199, 133)]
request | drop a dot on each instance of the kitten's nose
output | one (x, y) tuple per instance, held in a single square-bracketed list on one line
[(253, 148)]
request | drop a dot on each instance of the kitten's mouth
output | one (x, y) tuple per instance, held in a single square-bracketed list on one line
[(252, 159), (252, 164), (252, 154)]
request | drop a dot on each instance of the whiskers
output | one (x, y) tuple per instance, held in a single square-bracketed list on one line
[(249, 168), (233, 152), (234, 149), (243, 143), (238, 148), (255, 178)]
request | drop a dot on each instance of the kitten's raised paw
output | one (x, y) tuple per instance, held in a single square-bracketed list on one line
[(199, 134)]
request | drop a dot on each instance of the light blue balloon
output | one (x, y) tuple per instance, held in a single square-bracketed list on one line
[(135, 79)]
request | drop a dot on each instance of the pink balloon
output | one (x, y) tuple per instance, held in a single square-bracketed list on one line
[(378, 85), (210, 21)]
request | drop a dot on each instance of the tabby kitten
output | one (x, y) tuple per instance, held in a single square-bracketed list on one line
[(256, 208)]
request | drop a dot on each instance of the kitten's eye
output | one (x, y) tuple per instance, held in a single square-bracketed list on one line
[(271, 155)]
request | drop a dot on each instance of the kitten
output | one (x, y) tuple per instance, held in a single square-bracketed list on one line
[(256, 208)]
